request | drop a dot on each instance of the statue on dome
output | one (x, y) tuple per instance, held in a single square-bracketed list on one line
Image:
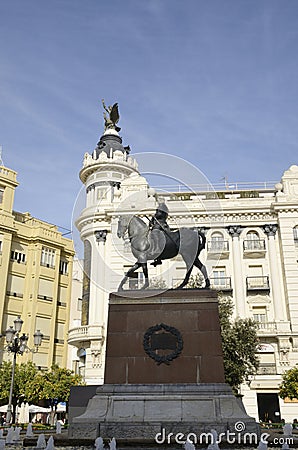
[(112, 118)]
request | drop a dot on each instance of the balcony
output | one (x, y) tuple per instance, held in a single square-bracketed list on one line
[(254, 248), (78, 335), (256, 284), (267, 369), (218, 249), (267, 328), (221, 283)]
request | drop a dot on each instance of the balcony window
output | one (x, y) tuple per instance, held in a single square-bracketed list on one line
[(1, 194), (47, 257), (253, 242), (63, 267), (18, 256), (219, 276), (217, 243), (259, 314)]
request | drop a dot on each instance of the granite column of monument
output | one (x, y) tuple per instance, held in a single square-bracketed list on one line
[(239, 289)]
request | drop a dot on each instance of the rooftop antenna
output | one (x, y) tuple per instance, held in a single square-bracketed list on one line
[(1, 160)]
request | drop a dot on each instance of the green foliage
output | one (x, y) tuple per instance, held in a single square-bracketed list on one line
[(157, 283), (52, 385), (239, 343), (289, 385), (195, 281), (23, 373)]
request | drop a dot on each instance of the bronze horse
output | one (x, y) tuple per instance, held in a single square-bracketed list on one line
[(149, 245)]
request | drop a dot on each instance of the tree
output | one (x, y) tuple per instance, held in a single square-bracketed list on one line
[(23, 374), (289, 385), (53, 386), (195, 281), (157, 283), (239, 344), (239, 341)]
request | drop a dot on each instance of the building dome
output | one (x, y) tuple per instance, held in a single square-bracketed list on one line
[(110, 143)]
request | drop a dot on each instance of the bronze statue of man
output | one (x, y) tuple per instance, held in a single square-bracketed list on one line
[(159, 222), (113, 118)]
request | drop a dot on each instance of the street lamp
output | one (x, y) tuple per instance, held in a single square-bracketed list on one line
[(17, 344)]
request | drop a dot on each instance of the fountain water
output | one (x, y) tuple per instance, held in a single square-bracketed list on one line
[(287, 429), (1, 433), (58, 427), (189, 446), (262, 446), (285, 446), (50, 444), (112, 444), (29, 431), (17, 433), (10, 436), (99, 444), (41, 442), (214, 444), (2, 444)]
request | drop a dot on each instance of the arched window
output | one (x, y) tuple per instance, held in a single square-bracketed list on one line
[(217, 241), (253, 241)]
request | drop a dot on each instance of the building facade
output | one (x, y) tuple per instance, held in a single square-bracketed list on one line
[(35, 272), (251, 256)]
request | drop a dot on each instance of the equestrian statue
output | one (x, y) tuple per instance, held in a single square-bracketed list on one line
[(156, 242)]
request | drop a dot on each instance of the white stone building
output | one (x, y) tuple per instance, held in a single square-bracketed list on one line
[(251, 256)]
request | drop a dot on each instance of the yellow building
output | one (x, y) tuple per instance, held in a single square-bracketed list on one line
[(35, 278)]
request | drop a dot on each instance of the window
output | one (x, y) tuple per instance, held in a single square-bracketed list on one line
[(45, 289), (219, 276), (1, 194), (15, 285), (253, 241), (259, 314), (18, 256), (63, 267), (79, 304), (217, 242), (295, 233), (1, 240), (47, 257)]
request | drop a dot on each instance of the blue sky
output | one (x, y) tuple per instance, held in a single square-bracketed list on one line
[(214, 82)]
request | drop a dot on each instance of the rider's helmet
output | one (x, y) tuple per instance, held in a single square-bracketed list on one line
[(163, 208), (162, 211)]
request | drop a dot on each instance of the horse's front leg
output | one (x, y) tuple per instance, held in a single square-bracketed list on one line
[(128, 274), (145, 272)]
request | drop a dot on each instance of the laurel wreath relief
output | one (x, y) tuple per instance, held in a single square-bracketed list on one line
[(166, 359)]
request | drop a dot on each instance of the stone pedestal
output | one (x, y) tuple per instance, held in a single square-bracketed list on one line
[(164, 370)]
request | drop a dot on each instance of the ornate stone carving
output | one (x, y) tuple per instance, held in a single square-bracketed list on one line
[(101, 235), (96, 347), (235, 230), (270, 229), (284, 349)]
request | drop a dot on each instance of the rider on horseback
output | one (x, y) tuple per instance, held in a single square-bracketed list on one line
[(159, 222)]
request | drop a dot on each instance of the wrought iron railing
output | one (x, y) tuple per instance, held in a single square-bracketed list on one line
[(258, 244), (221, 283), (218, 246)]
